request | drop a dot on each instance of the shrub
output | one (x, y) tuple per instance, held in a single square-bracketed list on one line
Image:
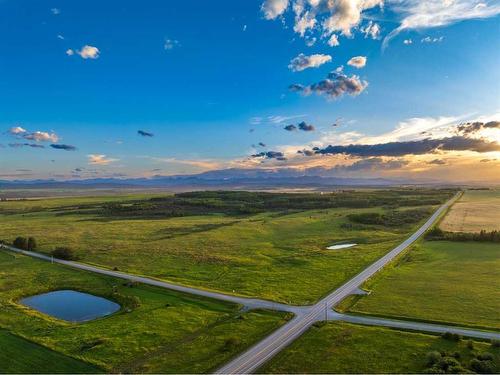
[(432, 358), (482, 367), (470, 344), (485, 356), (64, 253), (495, 343), (31, 244), (21, 243)]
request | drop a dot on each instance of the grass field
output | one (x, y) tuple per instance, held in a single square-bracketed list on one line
[(452, 282), (344, 348), (167, 331), (268, 254), (477, 210), (20, 356)]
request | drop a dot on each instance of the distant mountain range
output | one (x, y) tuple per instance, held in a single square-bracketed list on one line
[(226, 178)]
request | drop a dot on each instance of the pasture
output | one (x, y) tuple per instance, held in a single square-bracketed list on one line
[(156, 330), (476, 210), (448, 282), (344, 348), (271, 246)]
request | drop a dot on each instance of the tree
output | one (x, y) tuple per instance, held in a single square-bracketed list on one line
[(21, 243), (64, 253), (31, 244)]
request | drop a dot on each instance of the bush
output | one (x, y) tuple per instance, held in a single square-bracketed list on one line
[(432, 358), (482, 367), (31, 244), (21, 243), (495, 343), (485, 356), (231, 344), (470, 344), (64, 253)]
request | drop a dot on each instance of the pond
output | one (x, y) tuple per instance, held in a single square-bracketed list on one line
[(341, 246), (71, 305)]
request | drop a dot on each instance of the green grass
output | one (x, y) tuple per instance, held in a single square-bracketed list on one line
[(451, 282), (270, 255), (169, 332), (345, 348), (20, 356)]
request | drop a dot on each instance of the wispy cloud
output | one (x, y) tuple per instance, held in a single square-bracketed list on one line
[(144, 133), (302, 62), (63, 147)]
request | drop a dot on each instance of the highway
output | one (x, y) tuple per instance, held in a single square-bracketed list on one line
[(260, 353)]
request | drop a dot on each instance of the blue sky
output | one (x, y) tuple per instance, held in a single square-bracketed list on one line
[(211, 79)]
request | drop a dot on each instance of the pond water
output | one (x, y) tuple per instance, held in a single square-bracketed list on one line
[(341, 246), (71, 305)]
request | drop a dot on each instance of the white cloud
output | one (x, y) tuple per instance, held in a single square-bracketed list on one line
[(371, 30), (41, 136), (327, 16), (407, 41), (16, 130), (70, 52), (428, 39), (89, 52), (333, 41), (170, 44), (100, 159), (357, 61), (274, 8), (59, 36), (55, 11), (302, 62), (418, 14)]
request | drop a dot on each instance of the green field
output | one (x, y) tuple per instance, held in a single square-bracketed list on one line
[(156, 330), (19, 356), (241, 243), (345, 348), (451, 282)]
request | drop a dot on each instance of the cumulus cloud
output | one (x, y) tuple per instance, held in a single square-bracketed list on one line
[(305, 127), (274, 8), (371, 30), (327, 16), (357, 61), (16, 130), (333, 41), (88, 52), (145, 133), (39, 136), (474, 127), (270, 155), (407, 41), (334, 86), (70, 52), (372, 164), (417, 14), (302, 62), (419, 147), (63, 147), (100, 159)]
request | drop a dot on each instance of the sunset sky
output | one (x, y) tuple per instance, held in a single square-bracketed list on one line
[(355, 88)]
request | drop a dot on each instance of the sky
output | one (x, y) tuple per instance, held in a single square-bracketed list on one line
[(355, 88)]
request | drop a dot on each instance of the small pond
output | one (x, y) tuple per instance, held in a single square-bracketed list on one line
[(341, 246), (71, 305)]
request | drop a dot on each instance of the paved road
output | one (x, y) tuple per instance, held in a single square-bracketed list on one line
[(260, 353), (247, 303), (414, 326)]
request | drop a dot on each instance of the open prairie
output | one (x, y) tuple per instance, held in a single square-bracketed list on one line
[(345, 348), (155, 331), (475, 211), (272, 246), (442, 281)]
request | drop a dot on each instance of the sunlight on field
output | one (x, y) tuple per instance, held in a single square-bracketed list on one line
[(475, 211)]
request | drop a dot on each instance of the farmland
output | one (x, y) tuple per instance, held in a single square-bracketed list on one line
[(155, 331), (442, 281), (345, 348), (477, 210), (251, 244)]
